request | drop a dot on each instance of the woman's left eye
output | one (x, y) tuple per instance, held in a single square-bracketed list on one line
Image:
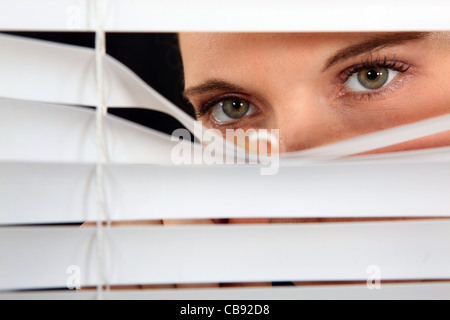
[(370, 79)]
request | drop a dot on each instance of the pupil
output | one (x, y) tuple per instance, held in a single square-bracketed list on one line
[(372, 75), (236, 105)]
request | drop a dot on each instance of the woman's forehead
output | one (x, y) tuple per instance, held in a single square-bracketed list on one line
[(216, 54), (214, 41)]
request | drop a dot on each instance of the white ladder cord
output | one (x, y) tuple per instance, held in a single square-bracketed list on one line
[(101, 111)]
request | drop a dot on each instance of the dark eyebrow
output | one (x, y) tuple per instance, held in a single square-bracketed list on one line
[(377, 42), (211, 85)]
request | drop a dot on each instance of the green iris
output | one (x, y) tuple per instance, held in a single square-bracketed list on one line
[(373, 78), (235, 109)]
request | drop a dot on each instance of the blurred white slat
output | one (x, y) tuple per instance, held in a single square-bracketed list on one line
[(65, 192), (40, 257), (408, 291), (40, 132), (423, 155), (376, 140), (232, 15)]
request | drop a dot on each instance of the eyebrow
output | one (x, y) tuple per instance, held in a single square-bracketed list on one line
[(377, 42), (212, 85)]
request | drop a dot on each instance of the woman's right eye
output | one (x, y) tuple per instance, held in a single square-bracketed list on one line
[(232, 109)]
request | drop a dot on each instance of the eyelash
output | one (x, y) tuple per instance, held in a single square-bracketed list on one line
[(207, 104), (369, 63)]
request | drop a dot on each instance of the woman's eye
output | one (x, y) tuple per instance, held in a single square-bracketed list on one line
[(232, 109), (370, 79)]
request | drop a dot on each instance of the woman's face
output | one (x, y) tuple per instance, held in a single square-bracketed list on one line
[(318, 88)]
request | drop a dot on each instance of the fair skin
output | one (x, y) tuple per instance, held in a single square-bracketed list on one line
[(316, 88)]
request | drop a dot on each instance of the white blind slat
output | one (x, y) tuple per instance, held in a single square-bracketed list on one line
[(233, 15), (39, 257), (57, 192), (373, 141), (423, 291), (38, 132)]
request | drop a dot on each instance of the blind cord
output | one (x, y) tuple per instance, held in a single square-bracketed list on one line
[(101, 111)]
